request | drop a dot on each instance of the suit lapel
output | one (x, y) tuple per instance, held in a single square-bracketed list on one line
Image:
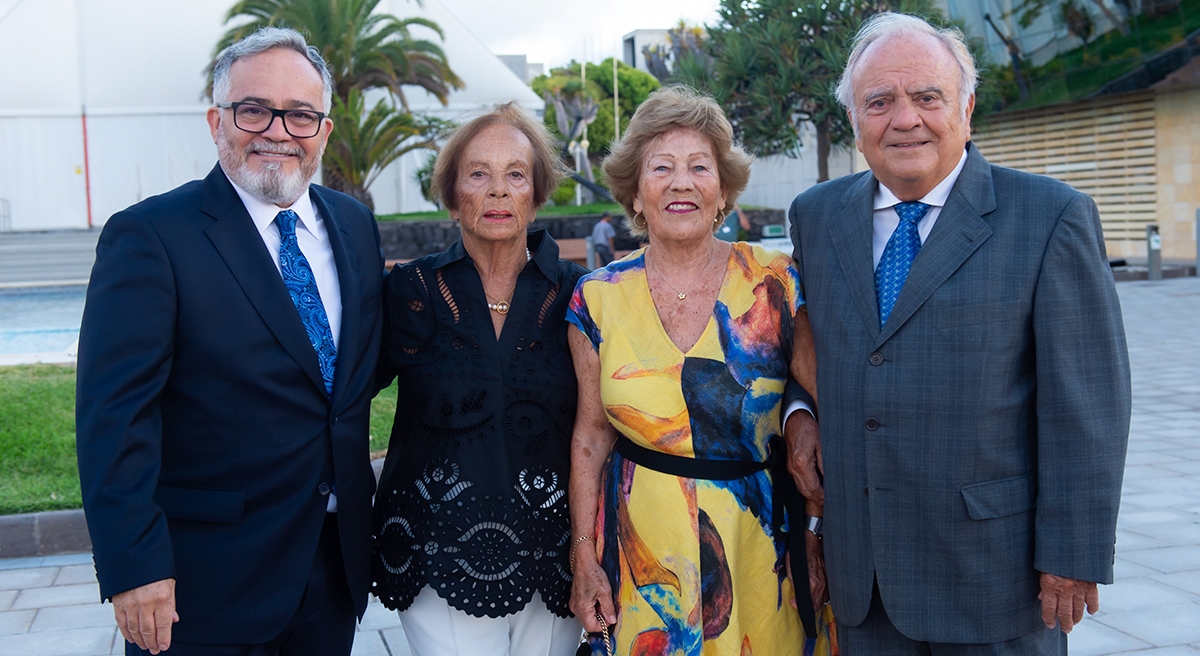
[(960, 230), (851, 232), (347, 267), (236, 238)]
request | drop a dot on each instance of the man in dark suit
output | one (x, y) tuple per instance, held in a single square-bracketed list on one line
[(971, 371), (226, 365)]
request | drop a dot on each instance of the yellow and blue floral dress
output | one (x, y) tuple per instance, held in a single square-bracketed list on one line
[(696, 566)]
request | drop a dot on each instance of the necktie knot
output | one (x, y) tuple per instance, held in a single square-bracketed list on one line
[(287, 222), (912, 212)]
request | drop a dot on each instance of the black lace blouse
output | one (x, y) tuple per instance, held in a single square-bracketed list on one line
[(473, 496)]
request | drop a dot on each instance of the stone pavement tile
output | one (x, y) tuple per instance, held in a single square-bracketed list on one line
[(1134, 520), (16, 621), (1091, 638), (1180, 534), (1129, 541), (19, 579), (1132, 594), (73, 617), (58, 643), (1178, 650), (1189, 580), (7, 597), (396, 642), (1156, 500), (62, 595), (62, 560), (1150, 457), (1161, 626), (1124, 569), (1166, 560), (368, 643), (377, 617), (75, 574), (20, 563)]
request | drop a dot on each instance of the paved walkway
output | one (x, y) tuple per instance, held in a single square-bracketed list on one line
[(48, 605), (47, 258)]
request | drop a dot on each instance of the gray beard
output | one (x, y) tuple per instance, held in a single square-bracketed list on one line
[(269, 184)]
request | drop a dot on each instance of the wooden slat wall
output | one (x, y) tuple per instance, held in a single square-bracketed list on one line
[(1104, 148)]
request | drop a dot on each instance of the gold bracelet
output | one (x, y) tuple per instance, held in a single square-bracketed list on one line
[(574, 545)]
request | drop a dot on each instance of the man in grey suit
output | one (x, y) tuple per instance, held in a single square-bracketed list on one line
[(972, 373)]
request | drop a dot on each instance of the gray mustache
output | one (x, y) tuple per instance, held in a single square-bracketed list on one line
[(274, 149)]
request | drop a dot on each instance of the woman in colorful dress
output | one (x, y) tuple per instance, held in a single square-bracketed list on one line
[(682, 353), (472, 527)]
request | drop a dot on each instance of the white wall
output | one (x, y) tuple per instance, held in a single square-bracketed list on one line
[(775, 181)]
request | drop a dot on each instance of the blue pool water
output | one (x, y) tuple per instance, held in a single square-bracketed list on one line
[(39, 319)]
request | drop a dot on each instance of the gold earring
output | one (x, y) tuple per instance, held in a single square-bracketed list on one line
[(639, 224), (721, 214)]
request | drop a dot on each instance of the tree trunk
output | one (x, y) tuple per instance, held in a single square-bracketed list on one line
[(334, 180), (822, 150), (1112, 17)]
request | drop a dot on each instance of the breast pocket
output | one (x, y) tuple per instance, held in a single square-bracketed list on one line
[(973, 315)]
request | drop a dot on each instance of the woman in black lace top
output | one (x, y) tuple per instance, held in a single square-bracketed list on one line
[(472, 528)]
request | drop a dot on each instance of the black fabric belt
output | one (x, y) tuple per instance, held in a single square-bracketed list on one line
[(710, 470), (785, 493)]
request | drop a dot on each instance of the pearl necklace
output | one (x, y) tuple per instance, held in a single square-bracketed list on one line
[(502, 307)]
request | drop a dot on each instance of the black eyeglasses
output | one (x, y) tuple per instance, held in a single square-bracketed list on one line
[(252, 117)]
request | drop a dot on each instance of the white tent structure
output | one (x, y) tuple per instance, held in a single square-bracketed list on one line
[(103, 104)]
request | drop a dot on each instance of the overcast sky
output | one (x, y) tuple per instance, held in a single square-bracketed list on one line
[(553, 32)]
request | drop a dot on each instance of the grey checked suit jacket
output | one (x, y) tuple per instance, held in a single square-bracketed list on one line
[(979, 438)]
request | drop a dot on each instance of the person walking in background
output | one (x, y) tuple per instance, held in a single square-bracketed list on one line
[(471, 523), (226, 369), (682, 353), (974, 380), (735, 227), (602, 240)]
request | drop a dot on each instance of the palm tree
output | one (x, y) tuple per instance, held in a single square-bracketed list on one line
[(365, 142), (364, 50)]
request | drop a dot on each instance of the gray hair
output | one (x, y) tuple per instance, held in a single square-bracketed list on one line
[(264, 39), (888, 24)]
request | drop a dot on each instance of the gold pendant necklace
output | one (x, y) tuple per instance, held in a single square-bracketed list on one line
[(502, 306), (682, 295)]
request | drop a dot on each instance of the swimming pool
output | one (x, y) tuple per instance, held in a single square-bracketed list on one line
[(40, 319)]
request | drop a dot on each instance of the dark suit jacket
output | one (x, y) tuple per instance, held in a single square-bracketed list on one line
[(979, 438), (204, 432)]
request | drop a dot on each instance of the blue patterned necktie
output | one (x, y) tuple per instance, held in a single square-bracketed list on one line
[(898, 257), (302, 287)]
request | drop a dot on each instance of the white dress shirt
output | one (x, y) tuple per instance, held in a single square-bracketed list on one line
[(313, 239), (885, 220)]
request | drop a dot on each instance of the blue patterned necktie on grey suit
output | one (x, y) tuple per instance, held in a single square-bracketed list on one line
[(302, 287), (898, 257)]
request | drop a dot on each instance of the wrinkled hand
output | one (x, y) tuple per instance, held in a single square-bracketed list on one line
[(804, 454), (145, 615), (1064, 599), (815, 550), (590, 587)]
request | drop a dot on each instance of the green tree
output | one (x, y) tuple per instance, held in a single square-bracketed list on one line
[(778, 63), (633, 87), (364, 50)]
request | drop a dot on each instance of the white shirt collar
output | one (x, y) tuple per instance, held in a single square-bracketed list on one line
[(263, 213), (937, 197)]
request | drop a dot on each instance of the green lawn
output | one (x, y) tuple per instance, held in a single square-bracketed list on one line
[(546, 213), (37, 437)]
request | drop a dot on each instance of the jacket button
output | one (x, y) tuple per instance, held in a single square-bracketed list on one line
[(876, 359), (872, 424), (334, 421), (323, 489), (867, 491)]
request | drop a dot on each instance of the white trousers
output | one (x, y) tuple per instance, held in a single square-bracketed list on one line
[(434, 628)]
